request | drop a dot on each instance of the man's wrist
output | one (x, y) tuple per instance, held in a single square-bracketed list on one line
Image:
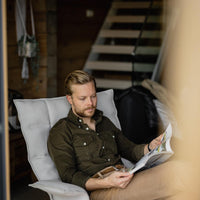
[(97, 183), (146, 149)]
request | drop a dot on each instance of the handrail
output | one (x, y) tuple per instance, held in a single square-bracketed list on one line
[(139, 38)]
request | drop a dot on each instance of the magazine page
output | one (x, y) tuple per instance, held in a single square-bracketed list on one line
[(158, 155)]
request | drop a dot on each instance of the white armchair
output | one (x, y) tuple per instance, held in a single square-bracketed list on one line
[(36, 117)]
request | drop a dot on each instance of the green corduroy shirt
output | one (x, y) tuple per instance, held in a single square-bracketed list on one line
[(79, 152)]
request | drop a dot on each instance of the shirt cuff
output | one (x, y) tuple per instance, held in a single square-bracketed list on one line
[(139, 151)]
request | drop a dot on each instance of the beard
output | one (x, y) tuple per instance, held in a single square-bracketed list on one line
[(87, 112)]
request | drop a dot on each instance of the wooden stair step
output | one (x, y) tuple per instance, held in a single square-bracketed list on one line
[(147, 50), (130, 5), (125, 19), (110, 70), (132, 19), (119, 33), (129, 34), (152, 34), (154, 19), (143, 67), (111, 83), (119, 66), (122, 49), (109, 66), (113, 49)]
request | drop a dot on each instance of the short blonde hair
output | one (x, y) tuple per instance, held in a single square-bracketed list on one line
[(77, 77)]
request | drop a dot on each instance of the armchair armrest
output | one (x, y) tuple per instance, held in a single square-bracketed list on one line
[(57, 187)]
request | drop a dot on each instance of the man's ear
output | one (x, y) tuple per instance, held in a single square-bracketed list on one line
[(69, 98)]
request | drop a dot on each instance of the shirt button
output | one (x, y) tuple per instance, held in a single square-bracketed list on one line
[(87, 128), (79, 126), (98, 134), (103, 147), (108, 160), (113, 136), (84, 143), (80, 120)]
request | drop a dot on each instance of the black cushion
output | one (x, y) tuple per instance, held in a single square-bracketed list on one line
[(137, 114)]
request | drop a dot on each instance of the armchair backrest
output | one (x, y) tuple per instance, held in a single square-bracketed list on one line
[(37, 116)]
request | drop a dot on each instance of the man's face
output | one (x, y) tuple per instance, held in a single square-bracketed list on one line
[(83, 99)]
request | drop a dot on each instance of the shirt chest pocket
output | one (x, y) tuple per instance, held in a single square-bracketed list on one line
[(110, 142), (83, 147)]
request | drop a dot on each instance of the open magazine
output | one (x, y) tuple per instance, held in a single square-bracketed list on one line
[(158, 155)]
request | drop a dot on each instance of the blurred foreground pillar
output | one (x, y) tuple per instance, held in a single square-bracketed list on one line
[(182, 77)]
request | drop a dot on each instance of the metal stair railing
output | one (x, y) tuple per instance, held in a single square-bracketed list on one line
[(139, 39)]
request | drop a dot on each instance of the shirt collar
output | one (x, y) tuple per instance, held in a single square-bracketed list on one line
[(77, 120)]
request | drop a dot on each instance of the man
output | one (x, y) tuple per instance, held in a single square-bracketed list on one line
[(86, 142)]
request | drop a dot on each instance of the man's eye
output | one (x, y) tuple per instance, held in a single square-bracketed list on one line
[(82, 99)]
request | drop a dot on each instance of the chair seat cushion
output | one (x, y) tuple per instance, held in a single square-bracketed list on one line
[(56, 187)]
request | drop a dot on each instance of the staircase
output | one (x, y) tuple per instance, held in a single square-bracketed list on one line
[(128, 44)]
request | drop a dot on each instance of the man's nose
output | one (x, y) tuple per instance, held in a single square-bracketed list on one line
[(89, 101)]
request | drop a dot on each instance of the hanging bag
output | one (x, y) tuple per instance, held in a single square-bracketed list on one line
[(27, 45)]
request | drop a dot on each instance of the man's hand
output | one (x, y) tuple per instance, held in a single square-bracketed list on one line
[(153, 144), (116, 179), (119, 179)]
